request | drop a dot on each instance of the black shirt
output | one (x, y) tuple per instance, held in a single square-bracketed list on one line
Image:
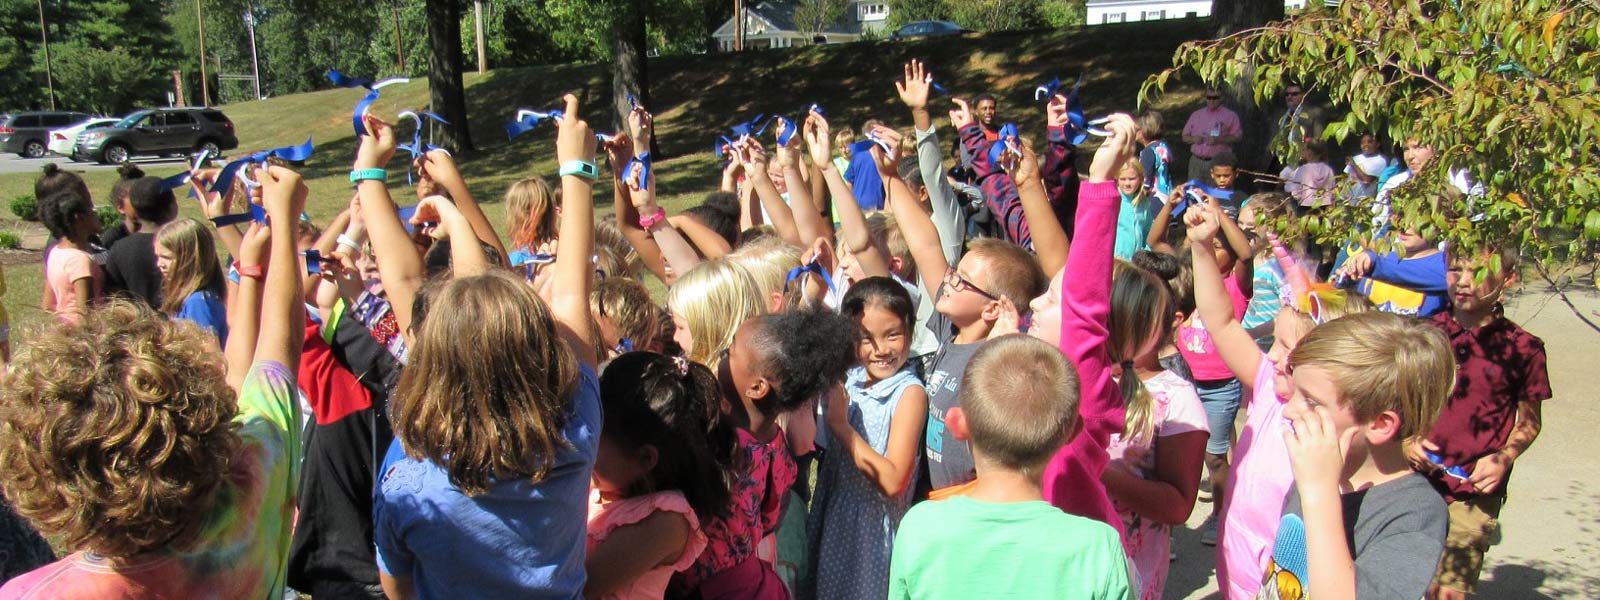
[(131, 269)]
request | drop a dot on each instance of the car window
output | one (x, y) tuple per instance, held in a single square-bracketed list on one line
[(215, 116), (26, 121), (138, 119), (58, 120)]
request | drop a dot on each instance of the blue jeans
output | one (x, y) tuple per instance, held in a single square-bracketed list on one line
[(1221, 401)]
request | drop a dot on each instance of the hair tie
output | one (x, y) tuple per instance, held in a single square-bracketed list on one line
[(1126, 365)]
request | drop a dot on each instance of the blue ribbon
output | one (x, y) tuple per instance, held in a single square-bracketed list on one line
[(1077, 128), (754, 126), (813, 267), (1048, 90), (642, 164), (528, 261), (938, 90), (786, 130), (224, 181), (346, 81), (722, 146), (527, 120), (256, 214), (1007, 141), (174, 182), (416, 147)]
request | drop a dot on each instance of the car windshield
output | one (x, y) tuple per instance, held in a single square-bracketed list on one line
[(133, 119)]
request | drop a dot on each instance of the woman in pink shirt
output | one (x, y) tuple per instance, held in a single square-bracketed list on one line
[(72, 279), (1311, 183)]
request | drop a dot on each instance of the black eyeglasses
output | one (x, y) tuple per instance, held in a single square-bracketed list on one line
[(957, 283)]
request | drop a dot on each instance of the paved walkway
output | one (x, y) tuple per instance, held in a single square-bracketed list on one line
[(1551, 522)]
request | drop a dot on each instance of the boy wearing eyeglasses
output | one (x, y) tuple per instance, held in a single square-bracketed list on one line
[(1210, 131)]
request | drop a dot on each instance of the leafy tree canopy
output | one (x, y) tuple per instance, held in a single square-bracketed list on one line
[(1505, 92)]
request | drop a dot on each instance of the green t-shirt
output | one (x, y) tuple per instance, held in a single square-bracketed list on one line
[(964, 548)]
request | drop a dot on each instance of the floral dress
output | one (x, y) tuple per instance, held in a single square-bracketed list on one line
[(1175, 409), (757, 502), (852, 524)]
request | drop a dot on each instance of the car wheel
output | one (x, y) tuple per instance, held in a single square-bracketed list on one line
[(33, 149), (114, 154), (209, 147)]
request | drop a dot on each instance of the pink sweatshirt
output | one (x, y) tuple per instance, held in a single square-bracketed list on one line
[(1072, 477)]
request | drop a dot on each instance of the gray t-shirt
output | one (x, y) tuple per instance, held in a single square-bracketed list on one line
[(1396, 531), (949, 459)]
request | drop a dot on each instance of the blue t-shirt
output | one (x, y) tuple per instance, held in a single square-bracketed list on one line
[(206, 310), (518, 540), (865, 182)]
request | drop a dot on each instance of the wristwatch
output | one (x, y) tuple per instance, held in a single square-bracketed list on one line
[(581, 168)]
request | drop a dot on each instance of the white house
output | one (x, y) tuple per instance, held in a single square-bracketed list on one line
[(1127, 11), (772, 25)]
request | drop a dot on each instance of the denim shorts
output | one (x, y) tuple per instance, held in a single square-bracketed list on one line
[(1221, 401)]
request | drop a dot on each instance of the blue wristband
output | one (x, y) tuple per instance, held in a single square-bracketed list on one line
[(581, 168), (360, 175)]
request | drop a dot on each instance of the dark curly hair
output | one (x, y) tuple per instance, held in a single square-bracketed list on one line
[(802, 352), (675, 406), (126, 175), (60, 212), (52, 180), (117, 431)]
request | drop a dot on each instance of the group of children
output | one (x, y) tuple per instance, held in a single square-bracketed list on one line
[(839, 403)]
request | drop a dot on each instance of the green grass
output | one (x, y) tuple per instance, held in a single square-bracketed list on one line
[(694, 98)]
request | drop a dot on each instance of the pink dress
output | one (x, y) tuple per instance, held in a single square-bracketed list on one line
[(606, 517), (1175, 409), (729, 567), (1254, 501), (65, 268)]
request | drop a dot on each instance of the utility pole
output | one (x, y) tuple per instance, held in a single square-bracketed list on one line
[(399, 48), (255, 64), (477, 16), (205, 87), (49, 77)]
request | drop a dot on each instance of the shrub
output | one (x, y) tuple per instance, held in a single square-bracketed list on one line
[(9, 240), (108, 216), (25, 208)]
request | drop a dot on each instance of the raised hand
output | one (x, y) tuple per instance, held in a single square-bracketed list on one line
[(961, 116), (283, 193), (1316, 450), (1056, 111), (377, 147), (818, 141), (788, 154), (437, 209), (888, 160), (1116, 150), (752, 156), (1204, 221), (1024, 165), (1010, 320), (253, 250), (618, 151), (641, 125), (914, 87), (574, 139)]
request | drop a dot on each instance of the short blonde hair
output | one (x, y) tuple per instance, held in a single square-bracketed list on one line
[(769, 260), (613, 254), (1012, 272), (1382, 362), (627, 303), (714, 298), (895, 241), (1019, 422)]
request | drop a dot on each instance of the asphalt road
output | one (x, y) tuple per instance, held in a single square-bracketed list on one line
[(11, 163)]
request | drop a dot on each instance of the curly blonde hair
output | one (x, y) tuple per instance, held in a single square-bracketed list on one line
[(116, 430)]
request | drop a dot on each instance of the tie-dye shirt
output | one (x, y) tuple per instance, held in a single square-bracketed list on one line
[(242, 551)]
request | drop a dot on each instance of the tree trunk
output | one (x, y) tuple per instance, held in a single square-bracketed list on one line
[(1230, 16), (445, 89), (630, 72)]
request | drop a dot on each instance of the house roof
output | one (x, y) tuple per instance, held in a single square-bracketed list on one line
[(780, 15)]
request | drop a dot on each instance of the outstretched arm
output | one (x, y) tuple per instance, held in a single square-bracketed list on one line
[(1049, 240), (574, 272), (283, 300), (807, 218), (755, 168), (439, 166), (1233, 343)]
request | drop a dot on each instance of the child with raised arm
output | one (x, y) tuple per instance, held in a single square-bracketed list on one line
[(1489, 421), (1073, 314), (968, 304), (1408, 281), (1359, 522), (1002, 539), (865, 482), (1260, 476), (491, 493), (181, 486)]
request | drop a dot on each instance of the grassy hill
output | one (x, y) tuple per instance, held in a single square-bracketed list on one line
[(694, 98)]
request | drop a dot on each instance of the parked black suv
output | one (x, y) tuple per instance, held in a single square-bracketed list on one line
[(28, 133), (159, 132)]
